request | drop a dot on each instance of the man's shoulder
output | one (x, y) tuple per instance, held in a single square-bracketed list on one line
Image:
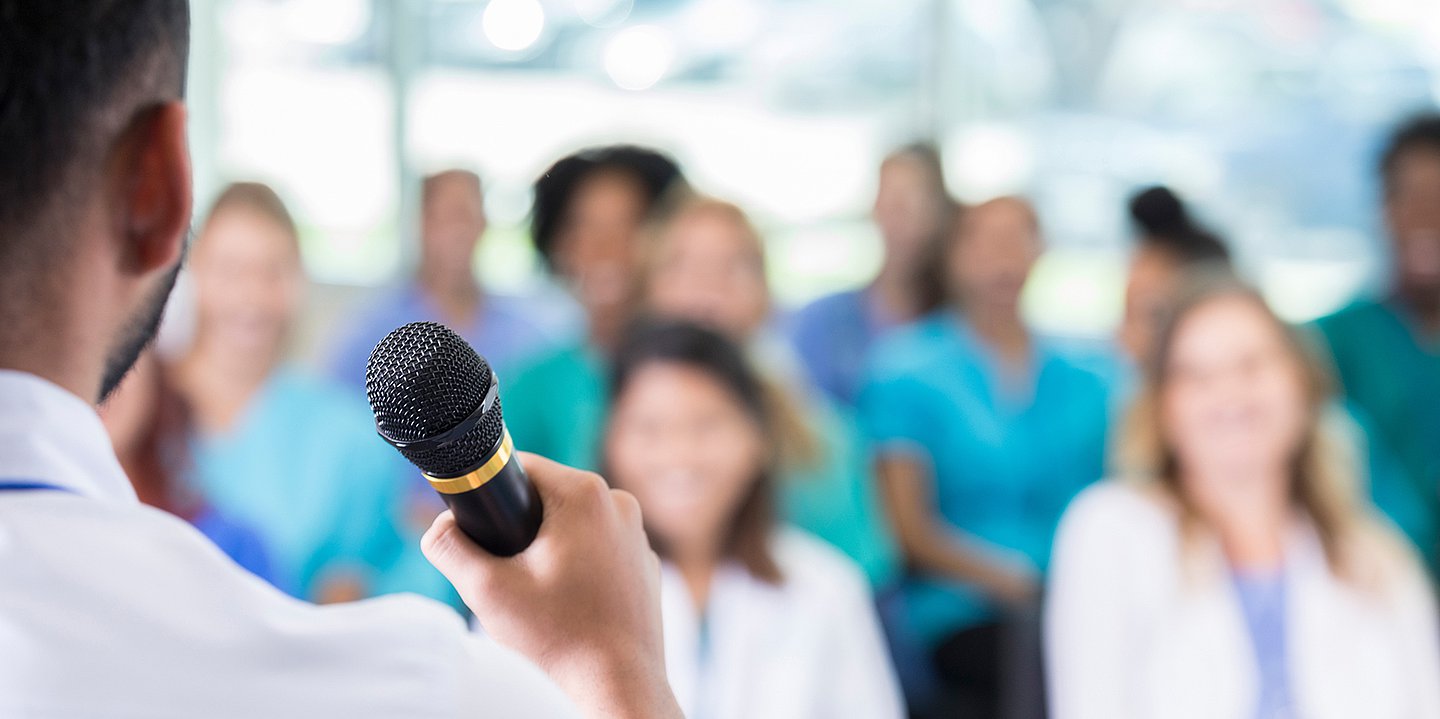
[(141, 604)]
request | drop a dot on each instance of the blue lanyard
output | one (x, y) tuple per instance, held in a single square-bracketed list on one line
[(29, 486)]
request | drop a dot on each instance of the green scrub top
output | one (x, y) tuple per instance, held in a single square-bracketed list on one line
[(1390, 375)]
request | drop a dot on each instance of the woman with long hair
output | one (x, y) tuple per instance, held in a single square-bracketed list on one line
[(760, 620), (1234, 570), (285, 451), (706, 264)]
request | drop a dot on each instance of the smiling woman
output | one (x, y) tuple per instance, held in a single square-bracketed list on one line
[(760, 621), (1237, 572)]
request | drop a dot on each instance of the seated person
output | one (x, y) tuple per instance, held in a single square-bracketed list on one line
[(1234, 569), (706, 264), (292, 455), (445, 288), (983, 433), (150, 427), (759, 621), (585, 223)]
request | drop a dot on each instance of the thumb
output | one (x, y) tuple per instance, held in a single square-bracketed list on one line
[(463, 562)]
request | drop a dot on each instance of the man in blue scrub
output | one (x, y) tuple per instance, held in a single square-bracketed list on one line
[(983, 435), (1387, 350), (445, 288)]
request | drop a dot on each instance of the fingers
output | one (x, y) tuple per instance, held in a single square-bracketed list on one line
[(564, 489), (462, 561)]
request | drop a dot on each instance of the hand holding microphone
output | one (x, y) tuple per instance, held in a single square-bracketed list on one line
[(582, 598)]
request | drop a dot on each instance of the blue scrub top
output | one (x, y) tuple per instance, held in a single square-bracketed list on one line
[(504, 331), (1004, 466), (239, 542), (833, 337), (305, 470)]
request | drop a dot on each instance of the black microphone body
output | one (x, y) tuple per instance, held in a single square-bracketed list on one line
[(438, 402)]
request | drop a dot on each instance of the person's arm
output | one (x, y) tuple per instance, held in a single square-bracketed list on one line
[(582, 602), (931, 545)]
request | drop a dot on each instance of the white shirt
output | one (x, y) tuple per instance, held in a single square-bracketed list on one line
[(109, 608), (808, 648), (1133, 632)]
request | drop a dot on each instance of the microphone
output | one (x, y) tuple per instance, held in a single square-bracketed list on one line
[(437, 401)]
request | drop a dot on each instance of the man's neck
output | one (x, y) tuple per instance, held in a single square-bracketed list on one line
[(1424, 307), (894, 289), (55, 355)]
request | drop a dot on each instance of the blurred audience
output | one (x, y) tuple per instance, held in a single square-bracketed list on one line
[(1387, 350), (706, 264), (759, 621), (913, 212), (1234, 570), (445, 288), (983, 435), (150, 426), (585, 223), (289, 454)]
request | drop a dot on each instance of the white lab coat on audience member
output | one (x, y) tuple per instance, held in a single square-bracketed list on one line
[(808, 648), (1131, 634), (109, 608)]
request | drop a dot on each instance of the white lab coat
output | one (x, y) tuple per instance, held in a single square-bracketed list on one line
[(809, 648), (1130, 633), (109, 608)]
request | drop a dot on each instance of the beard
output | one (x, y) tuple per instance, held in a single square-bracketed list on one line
[(139, 332)]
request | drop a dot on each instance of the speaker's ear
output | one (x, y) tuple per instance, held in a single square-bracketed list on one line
[(154, 198)]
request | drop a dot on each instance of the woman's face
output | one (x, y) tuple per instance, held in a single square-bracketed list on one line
[(996, 246), (1148, 291), (906, 211), (1234, 401), (248, 282), (597, 252), (687, 450), (706, 270)]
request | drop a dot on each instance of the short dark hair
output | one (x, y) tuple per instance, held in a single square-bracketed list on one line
[(655, 173), (710, 352), (1420, 132), (73, 74)]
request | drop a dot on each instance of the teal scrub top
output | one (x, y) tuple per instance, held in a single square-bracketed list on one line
[(555, 406), (835, 497), (1004, 466), (1390, 375), (304, 468)]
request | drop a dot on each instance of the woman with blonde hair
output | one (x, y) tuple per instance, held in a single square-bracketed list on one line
[(1234, 570)]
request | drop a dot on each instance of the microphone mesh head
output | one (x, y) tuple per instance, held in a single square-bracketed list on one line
[(422, 380)]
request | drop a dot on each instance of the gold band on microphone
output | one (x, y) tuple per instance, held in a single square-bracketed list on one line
[(479, 476)]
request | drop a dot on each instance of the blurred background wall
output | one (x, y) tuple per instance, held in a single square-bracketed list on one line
[(1266, 113)]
